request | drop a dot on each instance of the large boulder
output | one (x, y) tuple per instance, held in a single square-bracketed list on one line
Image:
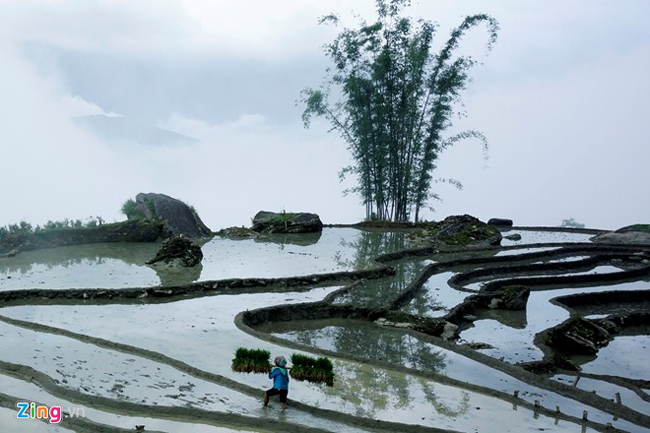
[(286, 222), (578, 336), (462, 230), (631, 235), (176, 217), (178, 250)]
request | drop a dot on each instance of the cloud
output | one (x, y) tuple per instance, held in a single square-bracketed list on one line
[(562, 99), (245, 123), (75, 106)]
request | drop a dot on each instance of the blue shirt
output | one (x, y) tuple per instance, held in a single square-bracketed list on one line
[(280, 378)]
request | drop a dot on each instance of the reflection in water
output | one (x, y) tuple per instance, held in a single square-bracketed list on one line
[(300, 239), (88, 254), (372, 390), (627, 355), (435, 298), (370, 244), (177, 275), (367, 246), (363, 339), (110, 265), (429, 391), (375, 293), (511, 318)]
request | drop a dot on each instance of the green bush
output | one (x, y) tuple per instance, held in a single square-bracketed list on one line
[(131, 210)]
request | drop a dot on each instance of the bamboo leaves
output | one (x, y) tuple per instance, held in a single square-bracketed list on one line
[(398, 99)]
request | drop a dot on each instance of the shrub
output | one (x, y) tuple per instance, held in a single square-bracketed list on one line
[(131, 210)]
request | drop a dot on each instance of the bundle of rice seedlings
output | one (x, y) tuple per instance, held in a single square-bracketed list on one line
[(317, 370), (251, 360)]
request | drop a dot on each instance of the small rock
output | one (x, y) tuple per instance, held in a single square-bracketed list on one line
[(450, 331), (478, 345), (504, 222)]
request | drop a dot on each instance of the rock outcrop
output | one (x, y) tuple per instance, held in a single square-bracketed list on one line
[(176, 217), (462, 230), (178, 250), (578, 336), (285, 222), (637, 234)]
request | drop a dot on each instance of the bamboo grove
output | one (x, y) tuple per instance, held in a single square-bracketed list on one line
[(397, 97)]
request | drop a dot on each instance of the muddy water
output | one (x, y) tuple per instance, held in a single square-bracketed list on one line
[(394, 346), (512, 332), (119, 265), (112, 265), (627, 355), (9, 423), (435, 298), (545, 237), (374, 293), (607, 390), (201, 333), (31, 393)]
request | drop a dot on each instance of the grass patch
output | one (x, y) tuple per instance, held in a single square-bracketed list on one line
[(317, 370), (282, 217), (251, 361)]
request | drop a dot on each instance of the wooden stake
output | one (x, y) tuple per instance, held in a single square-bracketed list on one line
[(576, 381)]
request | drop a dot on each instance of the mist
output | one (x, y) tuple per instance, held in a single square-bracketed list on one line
[(197, 100)]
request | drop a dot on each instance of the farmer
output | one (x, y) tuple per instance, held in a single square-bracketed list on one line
[(280, 375)]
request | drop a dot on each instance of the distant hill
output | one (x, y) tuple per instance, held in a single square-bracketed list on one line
[(123, 129)]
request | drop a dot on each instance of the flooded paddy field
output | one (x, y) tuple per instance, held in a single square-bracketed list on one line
[(165, 362)]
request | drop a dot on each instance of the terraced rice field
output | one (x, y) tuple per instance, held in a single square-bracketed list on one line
[(116, 344)]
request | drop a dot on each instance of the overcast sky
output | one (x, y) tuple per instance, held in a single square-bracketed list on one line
[(198, 99)]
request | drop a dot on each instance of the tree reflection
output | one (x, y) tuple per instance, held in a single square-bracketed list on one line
[(431, 396), (371, 390), (368, 245)]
